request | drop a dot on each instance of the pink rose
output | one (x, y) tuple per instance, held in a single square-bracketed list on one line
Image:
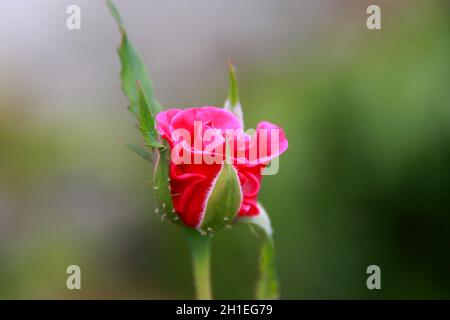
[(197, 139)]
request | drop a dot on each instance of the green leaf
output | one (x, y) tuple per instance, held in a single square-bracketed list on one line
[(232, 103), (133, 69), (267, 286), (144, 154), (224, 199)]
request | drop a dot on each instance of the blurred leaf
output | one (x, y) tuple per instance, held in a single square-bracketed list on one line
[(267, 286), (140, 151), (133, 69), (232, 103)]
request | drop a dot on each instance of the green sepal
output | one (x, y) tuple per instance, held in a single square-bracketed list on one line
[(233, 93), (161, 186), (138, 88), (147, 120), (144, 154), (232, 103), (133, 69), (224, 199)]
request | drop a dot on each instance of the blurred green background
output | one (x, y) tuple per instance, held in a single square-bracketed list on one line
[(366, 179)]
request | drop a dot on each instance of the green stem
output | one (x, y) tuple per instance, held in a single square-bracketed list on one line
[(201, 252)]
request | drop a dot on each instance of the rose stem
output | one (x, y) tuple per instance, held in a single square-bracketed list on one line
[(201, 253)]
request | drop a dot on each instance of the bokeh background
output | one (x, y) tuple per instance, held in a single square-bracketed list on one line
[(366, 179)]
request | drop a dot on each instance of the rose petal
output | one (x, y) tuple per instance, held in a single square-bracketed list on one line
[(190, 185), (163, 120), (211, 116), (268, 149)]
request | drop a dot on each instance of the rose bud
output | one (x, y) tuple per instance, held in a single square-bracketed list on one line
[(215, 167)]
